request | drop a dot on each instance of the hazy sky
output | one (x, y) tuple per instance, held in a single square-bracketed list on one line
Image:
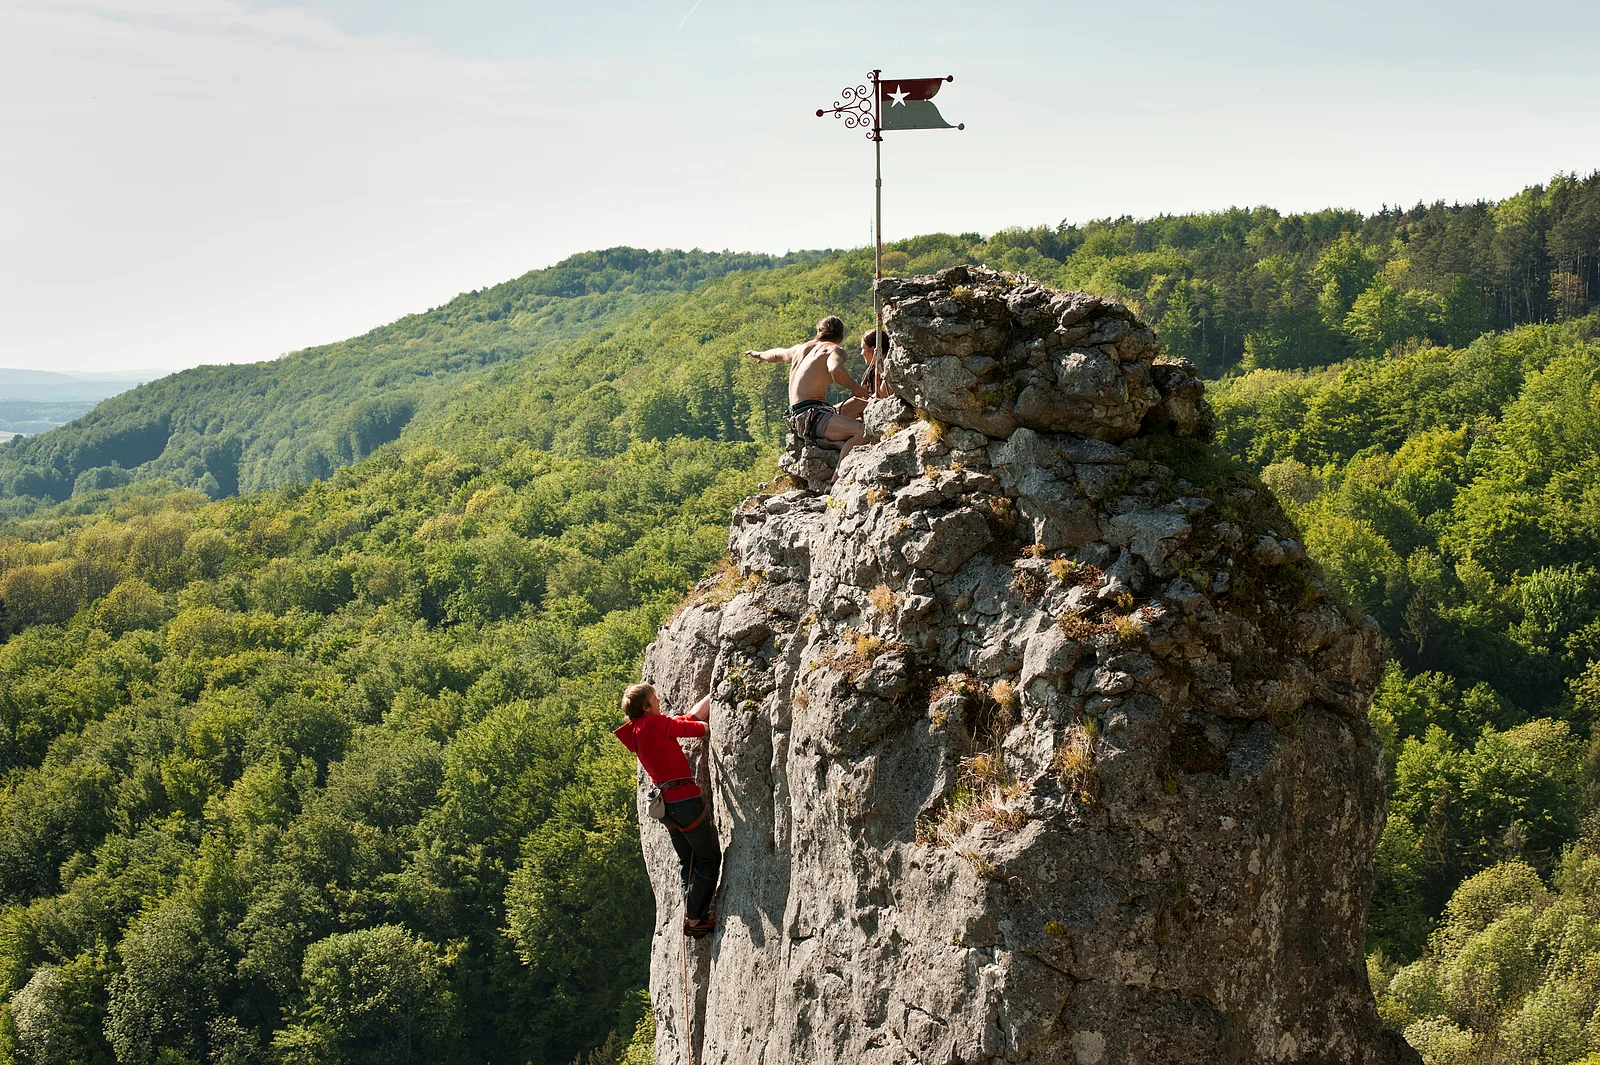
[(189, 181)]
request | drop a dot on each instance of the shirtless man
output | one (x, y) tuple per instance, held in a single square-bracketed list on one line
[(871, 380), (814, 365)]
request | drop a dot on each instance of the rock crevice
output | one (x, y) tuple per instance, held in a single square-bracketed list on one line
[(1036, 739)]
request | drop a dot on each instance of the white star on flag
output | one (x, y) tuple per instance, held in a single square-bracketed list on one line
[(899, 97)]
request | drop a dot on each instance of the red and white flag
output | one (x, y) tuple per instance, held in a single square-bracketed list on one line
[(907, 103)]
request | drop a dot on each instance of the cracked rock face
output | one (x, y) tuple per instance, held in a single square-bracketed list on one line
[(1038, 739)]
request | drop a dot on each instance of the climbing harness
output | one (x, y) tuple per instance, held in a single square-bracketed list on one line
[(808, 419), (705, 808)]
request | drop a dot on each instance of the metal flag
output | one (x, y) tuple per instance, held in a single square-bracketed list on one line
[(908, 104), (903, 104)]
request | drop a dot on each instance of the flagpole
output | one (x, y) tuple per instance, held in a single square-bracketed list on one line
[(877, 229)]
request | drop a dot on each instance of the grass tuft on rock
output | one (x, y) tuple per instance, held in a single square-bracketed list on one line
[(1075, 763)]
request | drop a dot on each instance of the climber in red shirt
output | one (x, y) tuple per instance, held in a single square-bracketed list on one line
[(653, 737)]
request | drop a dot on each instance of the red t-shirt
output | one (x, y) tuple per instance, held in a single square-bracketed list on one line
[(654, 738)]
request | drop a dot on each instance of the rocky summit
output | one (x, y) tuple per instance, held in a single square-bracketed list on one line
[(1036, 736)]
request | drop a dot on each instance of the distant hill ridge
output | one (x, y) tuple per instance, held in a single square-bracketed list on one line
[(611, 346), (35, 401), (46, 386), (243, 427)]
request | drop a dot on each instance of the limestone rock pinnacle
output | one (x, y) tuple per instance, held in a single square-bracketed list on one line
[(1036, 739)]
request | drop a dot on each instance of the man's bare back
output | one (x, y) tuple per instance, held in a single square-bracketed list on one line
[(810, 370), (813, 366)]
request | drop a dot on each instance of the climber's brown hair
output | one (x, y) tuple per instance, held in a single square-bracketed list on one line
[(636, 700)]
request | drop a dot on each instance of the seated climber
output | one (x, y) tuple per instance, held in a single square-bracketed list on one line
[(871, 380), (813, 366), (653, 737)]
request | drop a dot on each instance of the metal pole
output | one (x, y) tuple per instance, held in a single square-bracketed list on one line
[(877, 266)]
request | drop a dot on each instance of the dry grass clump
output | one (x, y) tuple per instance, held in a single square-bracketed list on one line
[(882, 599), (989, 711), (1127, 628), (983, 867), (862, 649), (985, 788), (954, 684), (1090, 576), (867, 646), (1010, 820), (723, 583), (1005, 696), (1075, 763), (985, 793), (1032, 551), (958, 813), (1080, 627), (1028, 584), (986, 767), (935, 430), (1002, 509), (1083, 627), (1124, 601), (878, 494), (1064, 570), (784, 482)]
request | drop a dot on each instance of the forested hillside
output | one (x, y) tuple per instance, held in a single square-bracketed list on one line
[(321, 773), (1231, 289), (226, 429), (325, 774), (1454, 494)]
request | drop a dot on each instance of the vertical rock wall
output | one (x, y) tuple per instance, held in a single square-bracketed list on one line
[(1038, 739)]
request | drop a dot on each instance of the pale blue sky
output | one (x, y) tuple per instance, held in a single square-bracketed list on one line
[(194, 181)]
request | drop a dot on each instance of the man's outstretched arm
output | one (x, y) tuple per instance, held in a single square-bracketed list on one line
[(771, 354), (702, 709), (841, 376)]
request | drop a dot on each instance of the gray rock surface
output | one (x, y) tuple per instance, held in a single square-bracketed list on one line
[(811, 466), (1038, 739)]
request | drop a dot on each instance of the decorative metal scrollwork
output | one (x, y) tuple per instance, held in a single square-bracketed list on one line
[(856, 108)]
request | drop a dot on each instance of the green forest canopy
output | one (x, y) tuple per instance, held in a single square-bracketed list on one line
[(227, 429), (321, 773), (1231, 289)]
